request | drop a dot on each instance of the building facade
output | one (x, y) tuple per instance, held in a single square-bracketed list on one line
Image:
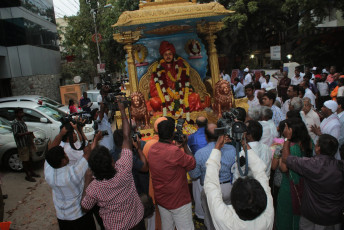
[(29, 51)]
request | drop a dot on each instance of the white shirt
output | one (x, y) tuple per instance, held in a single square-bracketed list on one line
[(323, 88), (262, 80), (248, 79), (67, 184), (226, 77), (269, 132), (340, 92), (224, 216), (310, 95), (254, 102), (264, 153), (107, 140), (267, 85), (239, 90), (341, 136), (285, 107), (331, 125), (311, 119), (73, 155), (99, 100), (296, 81)]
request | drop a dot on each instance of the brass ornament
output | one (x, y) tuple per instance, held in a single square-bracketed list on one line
[(140, 52)]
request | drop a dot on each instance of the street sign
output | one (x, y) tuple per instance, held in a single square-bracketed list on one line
[(275, 52), (101, 68)]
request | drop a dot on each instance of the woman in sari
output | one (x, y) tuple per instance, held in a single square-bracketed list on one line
[(298, 142)]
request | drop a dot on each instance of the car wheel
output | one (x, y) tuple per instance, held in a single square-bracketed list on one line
[(12, 161)]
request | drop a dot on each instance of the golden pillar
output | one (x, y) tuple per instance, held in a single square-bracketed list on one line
[(209, 29), (127, 39)]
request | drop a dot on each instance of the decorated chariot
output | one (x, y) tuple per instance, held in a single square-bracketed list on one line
[(167, 61)]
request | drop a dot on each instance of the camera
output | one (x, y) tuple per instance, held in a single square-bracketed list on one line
[(66, 123), (229, 127), (136, 135), (178, 135)]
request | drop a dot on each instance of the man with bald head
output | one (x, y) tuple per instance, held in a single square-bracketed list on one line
[(225, 175), (197, 141)]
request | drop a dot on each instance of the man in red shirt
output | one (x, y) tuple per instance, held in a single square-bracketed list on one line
[(168, 167)]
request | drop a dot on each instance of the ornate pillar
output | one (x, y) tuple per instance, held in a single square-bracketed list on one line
[(209, 29), (127, 39)]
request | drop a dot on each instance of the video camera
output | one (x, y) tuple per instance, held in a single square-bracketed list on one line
[(65, 121), (229, 127), (178, 135)]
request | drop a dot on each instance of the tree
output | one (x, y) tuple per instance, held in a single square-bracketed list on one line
[(78, 38)]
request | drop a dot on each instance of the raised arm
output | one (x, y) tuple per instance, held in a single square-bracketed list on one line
[(125, 126), (58, 138)]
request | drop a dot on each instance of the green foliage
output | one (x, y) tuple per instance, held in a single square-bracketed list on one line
[(78, 37)]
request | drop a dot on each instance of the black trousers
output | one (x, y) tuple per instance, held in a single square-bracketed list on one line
[(85, 222)]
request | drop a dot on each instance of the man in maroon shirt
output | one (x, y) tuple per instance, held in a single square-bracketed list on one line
[(168, 165)]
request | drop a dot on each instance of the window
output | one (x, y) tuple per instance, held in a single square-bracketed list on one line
[(53, 113), (7, 113), (32, 116)]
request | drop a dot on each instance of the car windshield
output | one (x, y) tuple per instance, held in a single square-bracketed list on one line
[(93, 96), (46, 100), (5, 126), (51, 112)]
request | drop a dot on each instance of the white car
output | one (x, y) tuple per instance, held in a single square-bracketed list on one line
[(40, 116), (93, 96), (8, 148), (37, 99)]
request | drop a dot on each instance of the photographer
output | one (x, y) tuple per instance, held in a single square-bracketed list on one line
[(67, 183), (225, 174), (113, 188), (168, 167), (104, 125), (72, 137), (251, 201), (140, 164)]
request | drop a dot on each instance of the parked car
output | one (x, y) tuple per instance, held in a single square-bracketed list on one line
[(39, 100), (40, 116), (93, 95), (8, 148)]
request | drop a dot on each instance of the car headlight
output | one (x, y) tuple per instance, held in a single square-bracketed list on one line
[(39, 141), (88, 130)]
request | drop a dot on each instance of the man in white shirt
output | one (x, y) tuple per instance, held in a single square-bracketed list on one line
[(308, 92), (238, 89), (251, 201), (226, 77), (104, 125), (331, 124), (253, 135), (67, 183), (310, 117), (292, 92), (297, 79), (248, 77), (262, 77), (252, 99), (269, 127), (267, 84)]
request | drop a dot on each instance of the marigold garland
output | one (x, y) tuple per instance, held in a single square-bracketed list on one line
[(180, 96)]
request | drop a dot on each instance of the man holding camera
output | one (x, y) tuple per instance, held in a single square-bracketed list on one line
[(67, 183), (168, 166), (225, 175), (105, 126), (251, 201)]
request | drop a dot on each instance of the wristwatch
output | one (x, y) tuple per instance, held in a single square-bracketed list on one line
[(286, 139)]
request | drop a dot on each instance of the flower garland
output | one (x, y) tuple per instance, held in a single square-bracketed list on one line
[(175, 100)]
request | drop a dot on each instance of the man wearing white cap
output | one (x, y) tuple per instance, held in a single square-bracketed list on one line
[(331, 124), (248, 77)]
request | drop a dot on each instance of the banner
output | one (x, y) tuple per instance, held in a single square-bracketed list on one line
[(275, 52)]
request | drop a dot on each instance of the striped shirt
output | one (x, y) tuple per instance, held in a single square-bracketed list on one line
[(17, 128), (67, 184), (120, 205)]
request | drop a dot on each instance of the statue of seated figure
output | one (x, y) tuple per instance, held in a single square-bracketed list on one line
[(170, 88)]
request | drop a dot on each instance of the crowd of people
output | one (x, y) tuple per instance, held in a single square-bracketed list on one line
[(295, 178)]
